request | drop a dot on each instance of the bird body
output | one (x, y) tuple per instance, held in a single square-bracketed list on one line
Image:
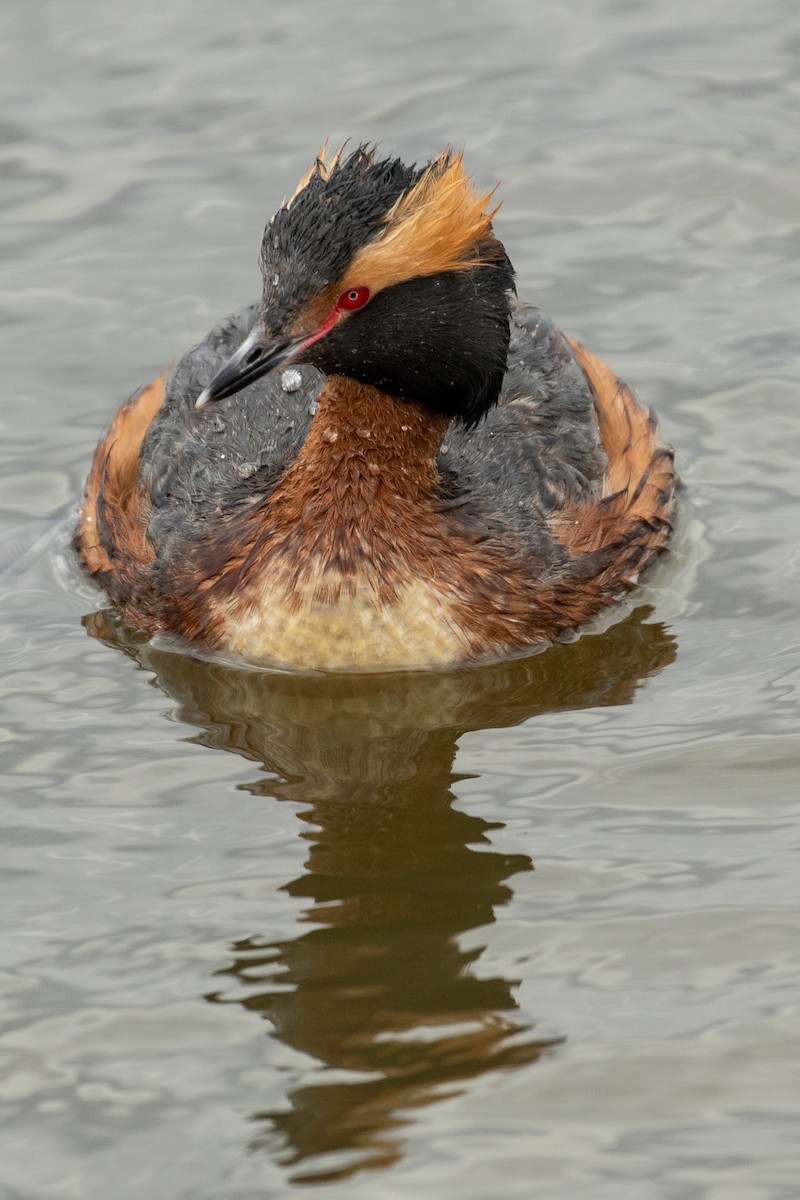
[(444, 477)]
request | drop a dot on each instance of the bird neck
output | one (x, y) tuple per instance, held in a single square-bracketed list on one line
[(368, 464)]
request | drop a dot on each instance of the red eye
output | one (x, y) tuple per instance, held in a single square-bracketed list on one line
[(353, 298)]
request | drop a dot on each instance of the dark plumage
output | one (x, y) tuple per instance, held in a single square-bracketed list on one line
[(472, 484), (309, 242)]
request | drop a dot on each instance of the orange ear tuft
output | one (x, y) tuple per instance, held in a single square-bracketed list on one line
[(437, 226)]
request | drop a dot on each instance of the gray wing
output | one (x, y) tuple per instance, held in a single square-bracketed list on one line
[(201, 465), (540, 446)]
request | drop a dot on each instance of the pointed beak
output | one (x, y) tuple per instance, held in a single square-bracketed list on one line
[(257, 355)]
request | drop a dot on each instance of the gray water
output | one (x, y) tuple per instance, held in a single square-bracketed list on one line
[(526, 931)]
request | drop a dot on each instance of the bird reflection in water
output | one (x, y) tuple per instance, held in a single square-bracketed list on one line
[(378, 986)]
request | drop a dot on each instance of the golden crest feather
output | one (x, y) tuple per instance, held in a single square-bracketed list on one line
[(441, 224)]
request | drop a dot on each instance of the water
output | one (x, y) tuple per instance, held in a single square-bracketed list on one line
[(526, 931)]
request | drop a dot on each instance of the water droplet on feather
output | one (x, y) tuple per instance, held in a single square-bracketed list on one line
[(291, 380)]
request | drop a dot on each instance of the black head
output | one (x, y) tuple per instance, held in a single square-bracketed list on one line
[(336, 209), (389, 275)]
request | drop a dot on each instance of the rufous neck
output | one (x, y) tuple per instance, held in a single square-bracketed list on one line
[(364, 447)]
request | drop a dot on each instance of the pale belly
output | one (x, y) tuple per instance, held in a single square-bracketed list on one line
[(355, 631)]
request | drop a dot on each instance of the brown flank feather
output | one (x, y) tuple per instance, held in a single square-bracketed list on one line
[(111, 537), (618, 537), (640, 479)]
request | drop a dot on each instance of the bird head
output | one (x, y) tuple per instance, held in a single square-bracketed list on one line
[(387, 274)]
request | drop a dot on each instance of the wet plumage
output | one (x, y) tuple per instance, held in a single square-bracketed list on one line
[(451, 479)]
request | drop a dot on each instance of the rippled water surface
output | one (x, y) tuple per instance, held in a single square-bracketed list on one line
[(529, 930)]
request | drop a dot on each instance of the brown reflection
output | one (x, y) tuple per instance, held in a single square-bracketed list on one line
[(379, 989)]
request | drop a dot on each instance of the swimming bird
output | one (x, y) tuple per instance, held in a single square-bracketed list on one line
[(419, 472)]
